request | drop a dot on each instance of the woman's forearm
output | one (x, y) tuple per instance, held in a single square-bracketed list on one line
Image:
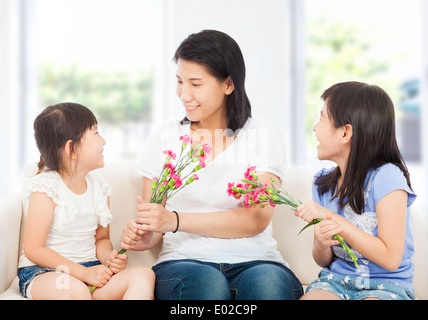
[(233, 223), (236, 223)]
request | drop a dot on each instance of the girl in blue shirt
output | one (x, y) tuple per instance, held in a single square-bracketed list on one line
[(365, 199)]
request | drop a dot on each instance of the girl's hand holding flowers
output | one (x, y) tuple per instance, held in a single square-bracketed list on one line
[(325, 231), (97, 276), (310, 211), (117, 262), (314, 213)]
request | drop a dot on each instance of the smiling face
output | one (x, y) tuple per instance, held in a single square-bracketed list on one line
[(334, 143), (90, 150), (203, 96)]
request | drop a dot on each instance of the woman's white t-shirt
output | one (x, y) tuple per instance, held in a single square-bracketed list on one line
[(257, 144), (75, 218)]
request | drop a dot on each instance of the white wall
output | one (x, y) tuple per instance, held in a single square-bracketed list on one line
[(9, 86), (262, 30), (424, 112)]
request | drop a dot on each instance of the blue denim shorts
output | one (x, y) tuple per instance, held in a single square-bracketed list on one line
[(359, 288), (27, 275)]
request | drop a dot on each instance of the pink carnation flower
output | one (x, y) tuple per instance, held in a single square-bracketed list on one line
[(186, 139), (207, 148), (170, 153), (248, 173)]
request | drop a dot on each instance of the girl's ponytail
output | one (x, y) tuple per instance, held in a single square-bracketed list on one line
[(41, 165)]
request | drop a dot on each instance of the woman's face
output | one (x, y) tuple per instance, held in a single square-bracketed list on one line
[(202, 95)]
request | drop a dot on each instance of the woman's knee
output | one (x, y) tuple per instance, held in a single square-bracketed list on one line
[(268, 282), (191, 281)]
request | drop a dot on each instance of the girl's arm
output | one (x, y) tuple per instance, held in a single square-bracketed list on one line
[(39, 219), (323, 233), (235, 223), (103, 244), (105, 253), (385, 250)]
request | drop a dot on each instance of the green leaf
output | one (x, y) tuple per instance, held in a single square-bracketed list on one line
[(316, 221)]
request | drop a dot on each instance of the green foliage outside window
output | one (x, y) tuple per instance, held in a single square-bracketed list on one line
[(116, 97), (337, 51)]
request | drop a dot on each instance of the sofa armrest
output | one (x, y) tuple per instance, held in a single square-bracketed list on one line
[(10, 228), (420, 235)]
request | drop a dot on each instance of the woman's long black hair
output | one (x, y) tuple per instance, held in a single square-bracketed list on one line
[(370, 112), (222, 57)]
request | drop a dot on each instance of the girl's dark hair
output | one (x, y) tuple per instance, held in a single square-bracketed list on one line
[(222, 57), (55, 126), (370, 112)]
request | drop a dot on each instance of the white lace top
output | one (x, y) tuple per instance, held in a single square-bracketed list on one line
[(76, 217)]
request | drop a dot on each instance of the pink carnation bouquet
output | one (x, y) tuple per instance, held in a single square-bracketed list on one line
[(257, 193), (171, 179)]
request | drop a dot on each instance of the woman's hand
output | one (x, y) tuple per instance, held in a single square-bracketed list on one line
[(310, 211), (117, 262), (155, 218)]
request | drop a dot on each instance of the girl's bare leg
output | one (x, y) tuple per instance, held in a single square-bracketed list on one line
[(319, 295), (59, 286), (136, 283)]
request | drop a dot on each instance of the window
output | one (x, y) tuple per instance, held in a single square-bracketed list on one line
[(379, 42), (101, 54), (115, 57)]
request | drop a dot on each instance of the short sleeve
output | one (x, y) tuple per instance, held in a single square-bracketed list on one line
[(45, 182), (50, 183), (269, 153), (102, 190), (315, 192), (316, 196), (389, 178)]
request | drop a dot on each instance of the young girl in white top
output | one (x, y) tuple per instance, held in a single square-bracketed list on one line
[(66, 239)]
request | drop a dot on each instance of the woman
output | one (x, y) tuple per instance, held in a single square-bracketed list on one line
[(213, 248)]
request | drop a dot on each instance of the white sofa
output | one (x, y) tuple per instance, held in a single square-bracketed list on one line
[(126, 183)]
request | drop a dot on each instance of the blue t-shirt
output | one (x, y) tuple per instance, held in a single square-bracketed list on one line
[(378, 184)]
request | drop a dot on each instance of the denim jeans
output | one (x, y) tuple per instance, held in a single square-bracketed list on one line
[(196, 280), (27, 275)]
